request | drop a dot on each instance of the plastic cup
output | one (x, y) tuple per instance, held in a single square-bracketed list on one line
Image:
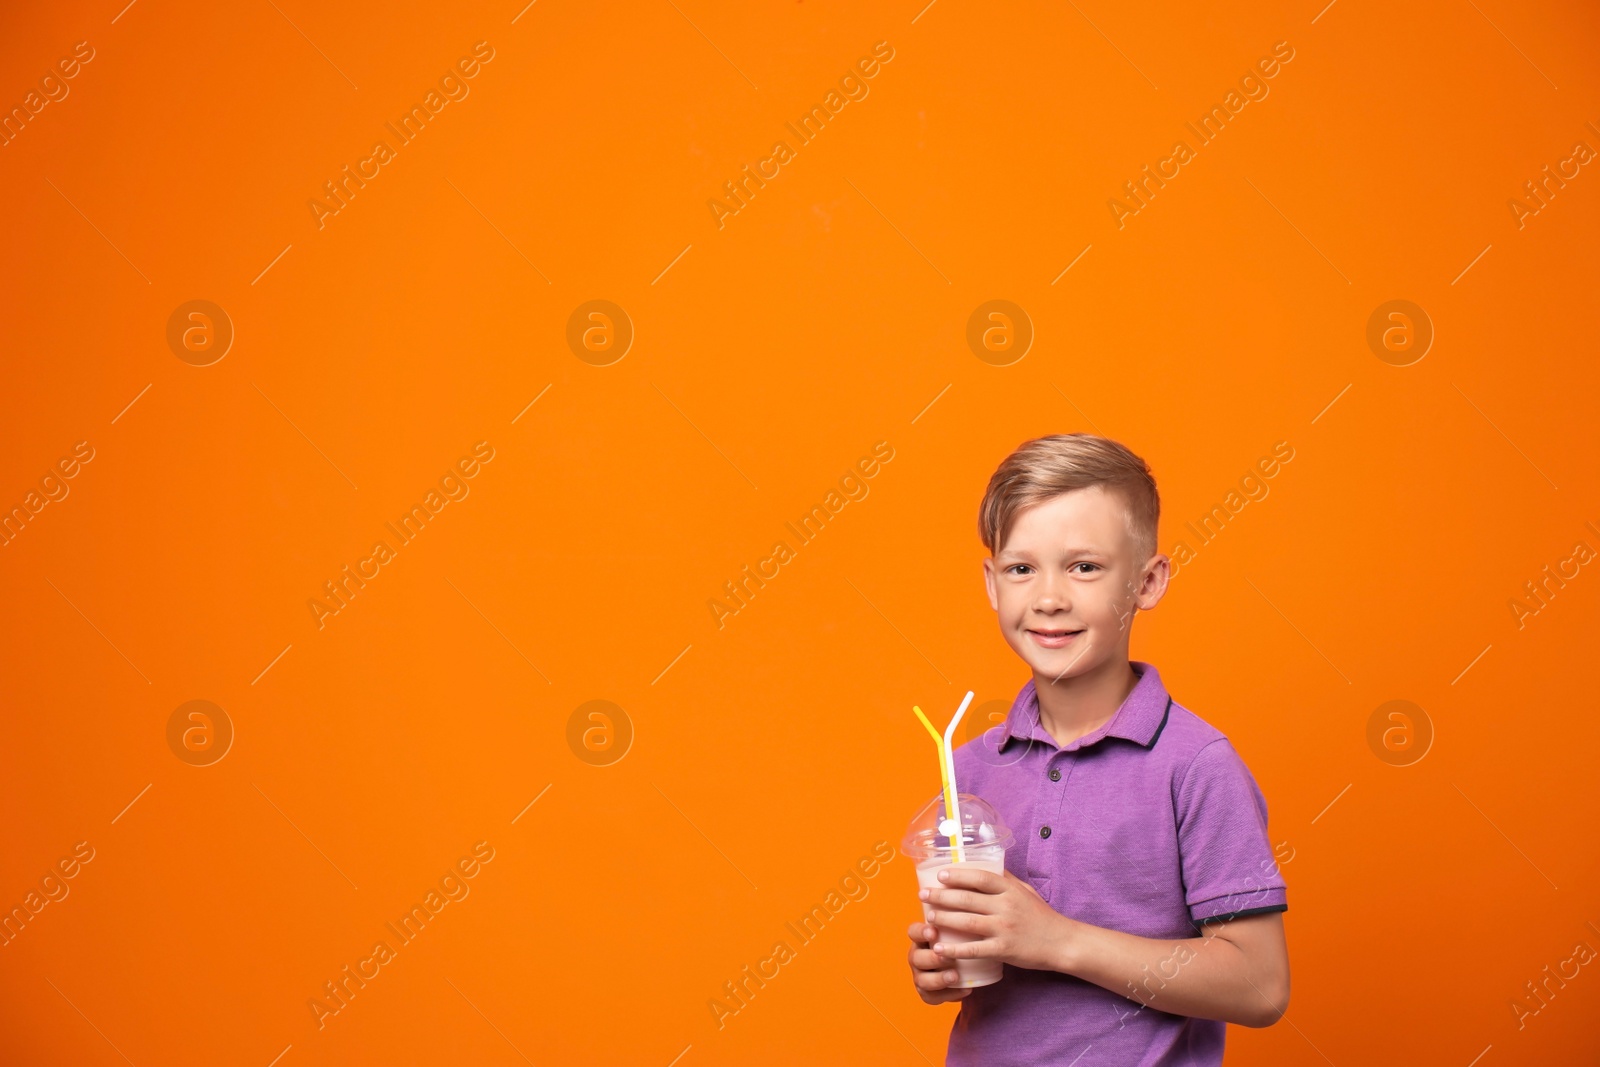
[(930, 843)]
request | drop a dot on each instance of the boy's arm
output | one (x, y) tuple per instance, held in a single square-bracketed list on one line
[(1237, 971)]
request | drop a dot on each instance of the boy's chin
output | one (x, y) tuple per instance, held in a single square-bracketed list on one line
[(1057, 664)]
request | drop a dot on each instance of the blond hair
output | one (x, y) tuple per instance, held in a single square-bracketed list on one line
[(1046, 467)]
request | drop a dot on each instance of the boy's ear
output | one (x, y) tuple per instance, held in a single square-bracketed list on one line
[(988, 582), (1158, 572)]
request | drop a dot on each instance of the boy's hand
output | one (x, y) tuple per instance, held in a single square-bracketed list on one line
[(931, 972), (1016, 924)]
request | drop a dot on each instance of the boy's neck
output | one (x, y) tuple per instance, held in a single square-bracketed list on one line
[(1078, 706)]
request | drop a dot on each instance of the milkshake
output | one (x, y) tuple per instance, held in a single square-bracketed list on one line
[(930, 843)]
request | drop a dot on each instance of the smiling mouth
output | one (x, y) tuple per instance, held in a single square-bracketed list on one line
[(1053, 638)]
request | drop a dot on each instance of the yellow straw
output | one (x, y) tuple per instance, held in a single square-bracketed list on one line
[(944, 778)]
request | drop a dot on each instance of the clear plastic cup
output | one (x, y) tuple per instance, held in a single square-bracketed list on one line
[(929, 842)]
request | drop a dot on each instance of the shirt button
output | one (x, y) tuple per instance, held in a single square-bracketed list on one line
[(1044, 831), (1055, 774)]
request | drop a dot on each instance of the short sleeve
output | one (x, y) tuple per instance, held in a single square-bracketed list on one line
[(1228, 866)]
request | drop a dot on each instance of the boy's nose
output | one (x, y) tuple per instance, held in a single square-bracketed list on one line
[(1053, 594)]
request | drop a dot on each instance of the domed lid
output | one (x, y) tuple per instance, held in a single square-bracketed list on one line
[(932, 830)]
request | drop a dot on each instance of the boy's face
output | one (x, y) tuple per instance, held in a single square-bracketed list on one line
[(1066, 583)]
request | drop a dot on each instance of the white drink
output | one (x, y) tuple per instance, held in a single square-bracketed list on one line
[(973, 972)]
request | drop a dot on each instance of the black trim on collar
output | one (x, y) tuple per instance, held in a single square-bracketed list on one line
[(1007, 736), (1163, 725)]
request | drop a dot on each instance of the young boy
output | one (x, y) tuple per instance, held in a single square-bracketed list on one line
[(1140, 911)]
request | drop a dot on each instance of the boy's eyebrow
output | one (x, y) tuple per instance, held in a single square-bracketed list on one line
[(1072, 550)]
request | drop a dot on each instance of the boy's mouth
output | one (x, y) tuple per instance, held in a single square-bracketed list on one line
[(1053, 638)]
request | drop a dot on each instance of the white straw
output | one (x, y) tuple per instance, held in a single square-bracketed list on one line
[(950, 765)]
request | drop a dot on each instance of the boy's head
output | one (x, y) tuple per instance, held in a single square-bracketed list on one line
[(1070, 524)]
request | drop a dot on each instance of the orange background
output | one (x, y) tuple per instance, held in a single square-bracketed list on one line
[(827, 315)]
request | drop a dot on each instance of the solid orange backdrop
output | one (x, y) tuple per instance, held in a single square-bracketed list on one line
[(746, 761)]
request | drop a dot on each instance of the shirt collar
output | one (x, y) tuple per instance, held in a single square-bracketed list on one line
[(1140, 718)]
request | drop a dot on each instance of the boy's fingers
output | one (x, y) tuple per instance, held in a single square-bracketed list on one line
[(934, 981), (961, 900), (925, 959), (966, 950), (958, 876), (965, 921)]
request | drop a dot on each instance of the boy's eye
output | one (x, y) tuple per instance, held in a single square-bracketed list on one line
[(1018, 568)]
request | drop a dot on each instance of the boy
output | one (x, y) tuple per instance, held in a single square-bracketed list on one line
[(1140, 911)]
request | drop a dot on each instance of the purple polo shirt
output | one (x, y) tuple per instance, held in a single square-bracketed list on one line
[(1151, 825)]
